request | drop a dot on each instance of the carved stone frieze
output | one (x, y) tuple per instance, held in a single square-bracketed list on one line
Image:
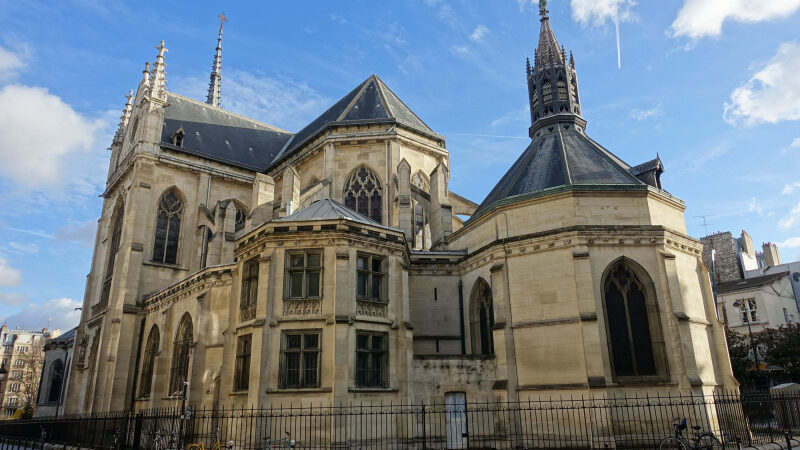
[(372, 309), (302, 307)]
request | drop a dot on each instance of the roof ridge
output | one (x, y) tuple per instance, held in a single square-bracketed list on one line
[(384, 85), (361, 88), (600, 150), (231, 113)]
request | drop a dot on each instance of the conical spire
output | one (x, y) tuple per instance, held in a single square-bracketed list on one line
[(552, 81), (215, 84), (125, 117)]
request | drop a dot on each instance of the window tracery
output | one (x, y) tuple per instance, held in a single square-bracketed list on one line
[(168, 226), (481, 317), (150, 352), (362, 193), (179, 370)]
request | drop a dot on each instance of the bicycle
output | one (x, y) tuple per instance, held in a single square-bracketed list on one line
[(217, 444), (170, 437), (701, 440), (286, 442)]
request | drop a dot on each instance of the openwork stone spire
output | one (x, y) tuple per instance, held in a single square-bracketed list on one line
[(552, 81), (215, 83), (124, 118)]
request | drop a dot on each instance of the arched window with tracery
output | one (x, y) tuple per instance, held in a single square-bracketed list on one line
[(481, 318), (149, 361), (179, 370), (241, 217), (635, 340), (362, 193), (168, 227), (56, 381), (113, 248)]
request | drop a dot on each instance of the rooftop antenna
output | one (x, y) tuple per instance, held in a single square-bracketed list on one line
[(705, 223)]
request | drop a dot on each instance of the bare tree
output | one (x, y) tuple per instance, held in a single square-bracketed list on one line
[(27, 371)]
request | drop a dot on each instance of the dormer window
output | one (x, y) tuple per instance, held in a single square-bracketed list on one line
[(177, 138)]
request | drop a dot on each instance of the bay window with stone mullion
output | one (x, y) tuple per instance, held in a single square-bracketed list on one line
[(372, 360), (299, 365), (241, 375), (249, 293), (371, 277), (303, 275)]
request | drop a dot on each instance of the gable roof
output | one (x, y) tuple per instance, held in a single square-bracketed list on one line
[(216, 134), (370, 102), (328, 209), (748, 283), (560, 155)]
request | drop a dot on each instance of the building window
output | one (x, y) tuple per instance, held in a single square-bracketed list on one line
[(179, 371), (13, 387), (116, 236), (362, 193), (249, 283), (56, 381), (16, 374), (241, 217), (481, 318), (371, 273), (168, 227), (749, 310), (372, 359), (241, 376), (303, 274), (633, 327), (150, 353), (22, 350), (300, 359), (19, 363)]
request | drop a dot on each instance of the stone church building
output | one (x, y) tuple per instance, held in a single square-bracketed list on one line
[(258, 266)]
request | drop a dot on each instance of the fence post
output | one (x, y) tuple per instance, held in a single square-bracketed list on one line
[(137, 431), (788, 440), (424, 439)]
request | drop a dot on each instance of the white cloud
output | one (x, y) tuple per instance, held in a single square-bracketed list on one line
[(644, 114), (82, 233), (13, 299), (755, 206), (700, 18), (795, 143), (284, 103), (479, 33), (772, 94), (10, 64), (57, 313), (597, 12), (460, 50), (9, 276), (37, 132), (792, 242), (789, 188), (790, 219)]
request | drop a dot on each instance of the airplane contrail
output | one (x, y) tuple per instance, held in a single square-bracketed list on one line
[(619, 53)]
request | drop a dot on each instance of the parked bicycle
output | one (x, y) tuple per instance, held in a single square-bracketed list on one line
[(217, 444), (285, 442), (165, 440), (700, 440)]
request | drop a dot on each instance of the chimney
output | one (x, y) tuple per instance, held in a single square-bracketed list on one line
[(746, 244), (771, 255)]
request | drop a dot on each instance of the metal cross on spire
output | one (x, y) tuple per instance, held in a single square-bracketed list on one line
[(543, 8)]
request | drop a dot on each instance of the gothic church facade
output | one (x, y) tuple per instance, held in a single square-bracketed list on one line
[(255, 266)]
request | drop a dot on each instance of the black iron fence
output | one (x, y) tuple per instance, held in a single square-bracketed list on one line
[(621, 422)]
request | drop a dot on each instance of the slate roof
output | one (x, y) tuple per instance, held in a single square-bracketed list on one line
[(220, 135), (548, 44), (561, 157), (748, 283), (328, 209), (653, 164), (370, 102)]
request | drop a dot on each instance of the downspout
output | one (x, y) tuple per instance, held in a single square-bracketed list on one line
[(136, 367), (461, 314)]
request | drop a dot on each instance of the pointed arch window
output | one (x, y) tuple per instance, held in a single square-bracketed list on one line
[(241, 217), (150, 352), (481, 318), (113, 248), (168, 228), (362, 193), (179, 370), (635, 340), (56, 381)]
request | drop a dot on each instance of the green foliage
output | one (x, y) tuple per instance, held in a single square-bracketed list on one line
[(781, 347), (739, 350)]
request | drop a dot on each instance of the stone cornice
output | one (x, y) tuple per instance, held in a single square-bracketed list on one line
[(198, 282)]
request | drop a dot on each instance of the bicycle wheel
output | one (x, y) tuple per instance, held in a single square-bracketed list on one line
[(707, 441), (672, 443), (195, 447), (297, 444)]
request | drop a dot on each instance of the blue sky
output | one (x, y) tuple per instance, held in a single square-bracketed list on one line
[(709, 85)]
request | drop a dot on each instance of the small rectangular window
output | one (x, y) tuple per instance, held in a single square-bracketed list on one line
[(371, 277), (300, 352), (249, 283), (241, 377), (372, 358), (303, 274), (785, 315)]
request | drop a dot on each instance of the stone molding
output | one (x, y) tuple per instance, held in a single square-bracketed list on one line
[(203, 280)]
